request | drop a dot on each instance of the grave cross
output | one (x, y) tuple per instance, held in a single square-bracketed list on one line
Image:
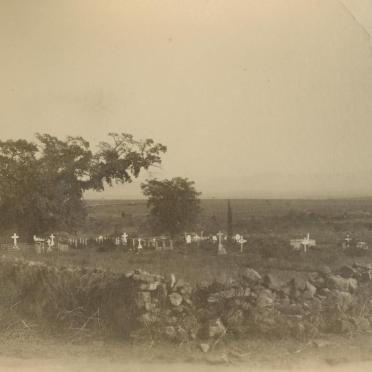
[(124, 238), (52, 237), (15, 237), (242, 241), (221, 250)]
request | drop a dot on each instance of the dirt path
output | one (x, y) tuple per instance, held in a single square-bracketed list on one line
[(39, 365), (28, 353)]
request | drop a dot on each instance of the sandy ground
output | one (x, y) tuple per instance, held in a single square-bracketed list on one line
[(37, 365), (32, 354)]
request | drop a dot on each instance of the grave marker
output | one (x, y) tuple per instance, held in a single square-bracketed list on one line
[(221, 249)]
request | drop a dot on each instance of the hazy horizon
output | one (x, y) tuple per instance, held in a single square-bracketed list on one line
[(254, 99)]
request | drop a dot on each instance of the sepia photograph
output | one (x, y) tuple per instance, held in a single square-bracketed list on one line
[(185, 185)]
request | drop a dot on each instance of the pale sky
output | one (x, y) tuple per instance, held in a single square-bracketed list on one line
[(254, 98)]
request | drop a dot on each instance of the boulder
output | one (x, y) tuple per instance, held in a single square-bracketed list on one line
[(347, 271), (251, 276), (317, 280), (310, 290), (204, 347), (366, 276), (234, 320), (170, 333), (298, 284), (175, 299), (362, 324), (353, 284), (340, 300), (273, 282), (216, 329), (338, 282), (150, 286), (265, 298), (325, 271)]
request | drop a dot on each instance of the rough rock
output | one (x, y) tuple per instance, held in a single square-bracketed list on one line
[(298, 284), (347, 271), (340, 300), (340, 283), (175, 299), (325, 271), (353, 284), (273, 282), (366, 276), (310, 290), (265, 298), (317, 280), (204, 347), (170, 333), (216, 329), (362, 324), (252, 276)]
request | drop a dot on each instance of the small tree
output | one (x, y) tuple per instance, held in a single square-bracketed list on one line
[(174, 204)]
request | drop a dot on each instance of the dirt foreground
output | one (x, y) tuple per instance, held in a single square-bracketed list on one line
[(38, 365), (32, 354)]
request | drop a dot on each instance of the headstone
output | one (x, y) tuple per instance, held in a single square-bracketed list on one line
[(124, 238), (139, 244), (156, 244), (221, 249), (241, 241), (100, 239), (188, 239), (214, 239), (49, 243), (15, 238)]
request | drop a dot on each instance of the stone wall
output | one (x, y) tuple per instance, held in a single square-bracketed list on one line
[(142, 306)]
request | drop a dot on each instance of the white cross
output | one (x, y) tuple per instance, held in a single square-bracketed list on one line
[(220, 235), (242, 241), (139, 243), (221, 249), (15, 237), (52, 240), (124, 238)]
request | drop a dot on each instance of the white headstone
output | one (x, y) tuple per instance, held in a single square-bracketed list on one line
[(221, 249), (15, 237), (242, 241), (124, 238), (188, 239)]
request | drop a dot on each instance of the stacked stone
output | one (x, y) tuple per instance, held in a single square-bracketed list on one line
[(170, 308)]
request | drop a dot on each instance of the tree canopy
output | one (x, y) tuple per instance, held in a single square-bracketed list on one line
[(174, 204), (42, 183)]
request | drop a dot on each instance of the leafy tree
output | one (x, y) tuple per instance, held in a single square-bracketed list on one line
[(42, 184), (174, 204)]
